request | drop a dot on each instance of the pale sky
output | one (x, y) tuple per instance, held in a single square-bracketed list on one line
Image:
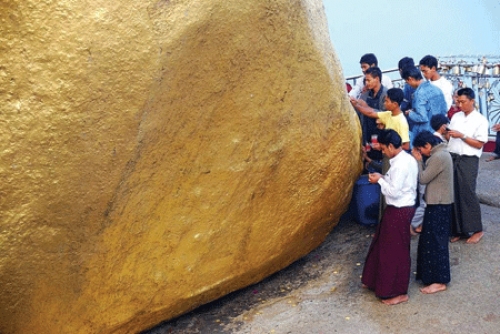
[(392, 29)]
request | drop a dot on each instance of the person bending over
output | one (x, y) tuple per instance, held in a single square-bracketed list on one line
[(433, 257)]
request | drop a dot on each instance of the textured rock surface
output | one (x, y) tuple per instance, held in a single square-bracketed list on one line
[(156, 155)]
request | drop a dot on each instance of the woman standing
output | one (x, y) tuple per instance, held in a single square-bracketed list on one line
[(433, 257)]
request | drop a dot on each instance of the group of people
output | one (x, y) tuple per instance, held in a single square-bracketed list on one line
[(422, 145)]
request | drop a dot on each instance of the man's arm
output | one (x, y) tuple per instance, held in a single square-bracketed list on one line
[(468, 140), (419, 112), (363, 108)]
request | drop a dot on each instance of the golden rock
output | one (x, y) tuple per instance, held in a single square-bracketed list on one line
[(157, 155)]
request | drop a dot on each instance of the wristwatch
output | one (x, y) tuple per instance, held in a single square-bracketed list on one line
[(464, 137)]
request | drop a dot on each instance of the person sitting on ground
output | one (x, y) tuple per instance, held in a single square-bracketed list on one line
[(439, 123), (388, 263), (496, 151), (433, 257)]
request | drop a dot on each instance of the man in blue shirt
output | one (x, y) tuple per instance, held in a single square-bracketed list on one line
[(428, 100)]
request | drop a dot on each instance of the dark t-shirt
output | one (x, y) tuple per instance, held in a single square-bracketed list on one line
[(369, 125)]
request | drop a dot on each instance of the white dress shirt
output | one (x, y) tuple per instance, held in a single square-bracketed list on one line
[(475, 126), (399, 185)]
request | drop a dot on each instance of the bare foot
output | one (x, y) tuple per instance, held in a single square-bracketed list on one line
[(364, 286), (418, 229), (492, 158), (396, 300), (475, 238), (454, 239), (433, 288)]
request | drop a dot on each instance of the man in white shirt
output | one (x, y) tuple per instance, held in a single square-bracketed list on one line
[(387, 266), (368, 60), (467, 135), (429, 68)]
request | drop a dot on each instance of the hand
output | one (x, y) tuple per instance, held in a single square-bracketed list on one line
[(357, 102), (374, 177), (416, 154), (455, 134), (365, 156), (376, 146), (496, 127), (443, 129)]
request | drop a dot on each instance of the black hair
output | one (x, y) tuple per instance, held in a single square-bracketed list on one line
[(411, 72), (390, 136), (396, 95), (467, 92), (429, 61), (438, 120), (375, 72), (405, 62), (426, 137), (369, 59)]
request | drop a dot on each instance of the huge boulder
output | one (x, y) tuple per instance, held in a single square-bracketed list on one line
[(156, 155)]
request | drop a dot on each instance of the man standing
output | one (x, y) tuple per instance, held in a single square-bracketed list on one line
[(429, 68), (368, 60), (388, 263), (374, 97), (467, 136), (428, 100)]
